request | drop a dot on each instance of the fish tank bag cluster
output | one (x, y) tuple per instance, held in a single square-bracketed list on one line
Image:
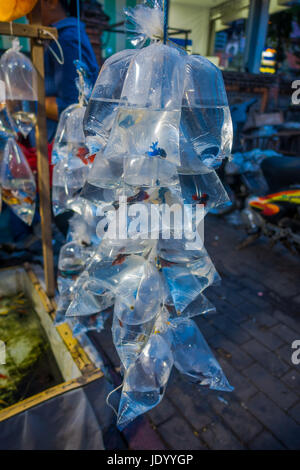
[(18, 105), (157, 126)]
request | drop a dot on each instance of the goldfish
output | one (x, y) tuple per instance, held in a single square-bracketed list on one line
[(82, 153), (9, 196), (119, 260), (28, 200)]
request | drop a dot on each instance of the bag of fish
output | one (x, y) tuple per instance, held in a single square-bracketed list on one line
[(161, 123), (6, 128), (70, 154), (20, 78), (17, 182)]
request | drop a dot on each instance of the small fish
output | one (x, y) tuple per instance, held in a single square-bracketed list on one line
[(201, 199), (91, 158), (93, 319), (9, 197), (119, 260), (140, 196), (166, 264), (82, 153), (4, 311), (28, 200), (156, 151)]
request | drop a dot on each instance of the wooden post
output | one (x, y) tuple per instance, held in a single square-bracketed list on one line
[(37, 54)]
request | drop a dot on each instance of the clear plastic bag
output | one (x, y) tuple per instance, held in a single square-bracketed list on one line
[(145, 380), (205, 118), (7, 126), (146, 298), (193, 357), (73, 258), (17, 181), (129, 340), (69, 139), (206, 189), (67, 184), (94, 322), (119, 274), (88, 298), (20, 78), (105, 100)]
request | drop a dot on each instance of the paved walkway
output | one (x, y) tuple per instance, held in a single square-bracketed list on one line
[(257, 319)]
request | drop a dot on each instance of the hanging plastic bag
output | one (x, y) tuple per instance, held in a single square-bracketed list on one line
[(67, 183), (94, 322), (129, 340), (205, 124), (7, 128), (18, 183), (69, 132), (193, 357), (205, 189), (105, 100), (146, 299), (73, 257), (20, 77), (145, 380)]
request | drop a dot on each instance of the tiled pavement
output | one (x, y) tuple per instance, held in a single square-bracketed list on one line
[(257, 319)]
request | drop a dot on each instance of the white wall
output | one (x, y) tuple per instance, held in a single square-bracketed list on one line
[(191, 17)]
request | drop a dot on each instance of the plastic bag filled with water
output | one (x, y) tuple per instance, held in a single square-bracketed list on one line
[(193, 357), (20, 77), (94, 322), (67, 183), (69, 140), (205, 189), (145, 380), (129, 340), (73, 258), (187, 280), (7, 126), (144, 301), (89, 298), (205, 124), (105, 100), (17, 181)]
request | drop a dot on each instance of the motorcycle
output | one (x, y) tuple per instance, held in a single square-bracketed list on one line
[(276, 214)]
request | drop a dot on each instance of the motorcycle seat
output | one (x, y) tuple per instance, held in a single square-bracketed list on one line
[(281, 172)]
